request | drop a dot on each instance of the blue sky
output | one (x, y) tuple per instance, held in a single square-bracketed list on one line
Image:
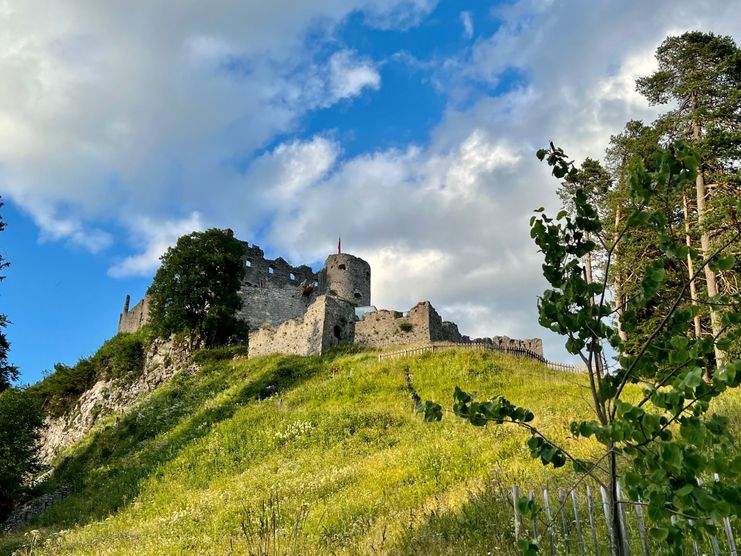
[(407, 125)]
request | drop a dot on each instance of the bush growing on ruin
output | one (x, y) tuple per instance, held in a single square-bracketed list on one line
[(196, 289)]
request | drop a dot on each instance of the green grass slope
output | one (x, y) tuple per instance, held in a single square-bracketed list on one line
[(326, 451)]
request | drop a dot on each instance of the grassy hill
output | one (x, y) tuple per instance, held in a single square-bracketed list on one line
[(325, 452)]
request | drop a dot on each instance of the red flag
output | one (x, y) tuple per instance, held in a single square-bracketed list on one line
[(339, 245)]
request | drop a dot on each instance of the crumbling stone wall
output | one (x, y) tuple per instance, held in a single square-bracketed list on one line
[(132, 320), (273, 291), (422, 324), (288, 309), (327, 322), (533, 344)]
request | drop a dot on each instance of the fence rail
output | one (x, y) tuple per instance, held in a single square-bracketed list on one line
[(568, 527), (480, 346)]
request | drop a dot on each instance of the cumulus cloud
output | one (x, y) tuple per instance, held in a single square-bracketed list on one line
[(155, 237), (197, 113), (104, 112), (350, 75)]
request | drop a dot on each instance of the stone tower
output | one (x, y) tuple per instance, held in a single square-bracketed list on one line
[(347, 277)]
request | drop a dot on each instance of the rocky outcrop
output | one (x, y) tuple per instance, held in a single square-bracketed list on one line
[(163, 360), (32, 508)]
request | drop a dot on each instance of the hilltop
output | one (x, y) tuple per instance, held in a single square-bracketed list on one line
[(330, 445), (335, 435)]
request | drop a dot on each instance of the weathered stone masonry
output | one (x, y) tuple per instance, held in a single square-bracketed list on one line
[(293, 310), (329, 321), (421, 324), (132, 320)]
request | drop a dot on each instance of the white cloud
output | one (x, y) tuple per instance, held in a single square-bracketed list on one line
[(155, 237), (467, 22), (103, 117), (350, 75), (401, 14), (105, 111)]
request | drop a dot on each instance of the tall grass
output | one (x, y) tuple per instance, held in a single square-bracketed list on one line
[(335, 439)]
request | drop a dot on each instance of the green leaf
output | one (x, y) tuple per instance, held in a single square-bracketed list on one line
[(659, 533), (722, 263), (685, 490), (433, 411)]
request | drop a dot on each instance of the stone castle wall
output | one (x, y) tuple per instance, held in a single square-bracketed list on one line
[(347, 277), (273, 291), (132, 320), (327, 322), (532, 344), (421, 324), (294, 310)]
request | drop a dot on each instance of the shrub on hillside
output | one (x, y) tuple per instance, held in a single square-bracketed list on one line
[(120, 358), (20, 422)]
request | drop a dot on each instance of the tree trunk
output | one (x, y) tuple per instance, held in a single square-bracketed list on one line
[(588, 262), (618, 546), (691, 265), (618, 283), (712, 285)]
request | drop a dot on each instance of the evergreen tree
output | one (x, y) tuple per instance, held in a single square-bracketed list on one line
[(701, 74), (8, 372)]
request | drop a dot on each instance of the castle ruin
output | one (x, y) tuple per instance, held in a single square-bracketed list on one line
[(293, 310)]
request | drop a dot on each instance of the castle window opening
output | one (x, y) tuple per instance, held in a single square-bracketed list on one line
[(337, 331), (342, 267), (316, 283), (248, 263), (367, 275), (357, 295), (292, 276), (271, 269)]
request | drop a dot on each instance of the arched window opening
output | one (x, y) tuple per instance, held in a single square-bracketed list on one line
[(357, 295), (342, 267), (248, 263), (271, 269), (337, 331), (292, 276)]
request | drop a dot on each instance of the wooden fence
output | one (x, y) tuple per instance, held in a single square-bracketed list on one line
[(580, 523), (480, 346)]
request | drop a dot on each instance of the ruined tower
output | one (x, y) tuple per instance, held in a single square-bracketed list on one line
[(347, 277)]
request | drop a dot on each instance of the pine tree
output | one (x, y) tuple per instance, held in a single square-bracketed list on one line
[(8, 372), (701, 74)]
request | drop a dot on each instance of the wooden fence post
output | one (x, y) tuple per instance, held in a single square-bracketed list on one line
[(577, 524), (590, 507), (623, 520), (534, 522), (727, 526), (548, 521), (518, 522), (641, 527), (564, 522), (608, 520)]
